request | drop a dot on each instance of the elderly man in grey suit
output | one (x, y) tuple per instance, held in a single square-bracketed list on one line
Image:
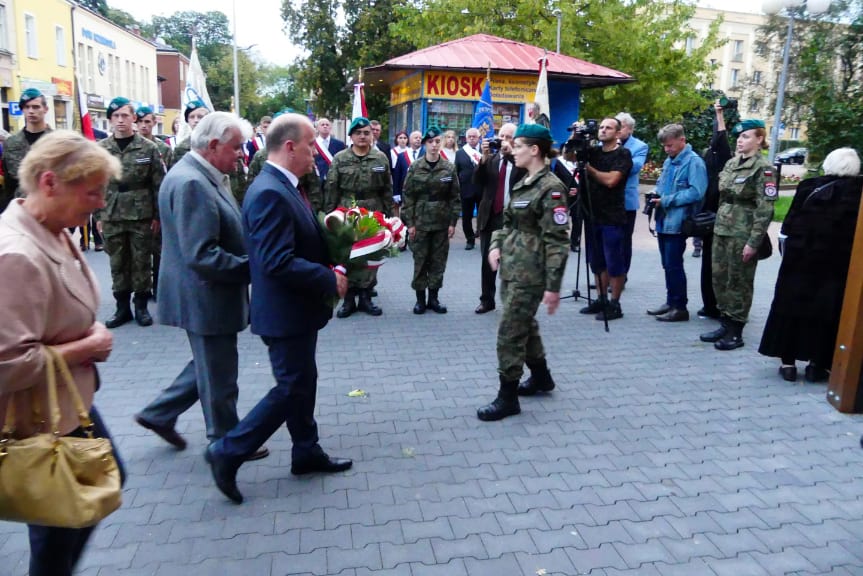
[(203, 280)]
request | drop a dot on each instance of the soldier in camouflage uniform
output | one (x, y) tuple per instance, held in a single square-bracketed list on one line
[(430, 211), (360, 174), (531, 250), (747, 192), (131, 214), (310, 183), (146, 120), (34, 107)]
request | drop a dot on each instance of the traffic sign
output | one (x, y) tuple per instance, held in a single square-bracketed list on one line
[(14, 109)]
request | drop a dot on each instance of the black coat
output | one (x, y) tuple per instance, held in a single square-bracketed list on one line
[(807, 302), (465, 168)]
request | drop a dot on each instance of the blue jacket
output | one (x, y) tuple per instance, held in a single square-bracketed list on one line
[(638, 151), (681, 185), (291, 278)]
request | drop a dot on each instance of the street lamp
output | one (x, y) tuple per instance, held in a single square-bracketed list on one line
[(559, 15), (775, 7), (236, 68)]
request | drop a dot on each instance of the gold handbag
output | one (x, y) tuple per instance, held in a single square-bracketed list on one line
[(53, 480)]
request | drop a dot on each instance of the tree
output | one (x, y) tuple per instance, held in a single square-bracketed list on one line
[(278, 90), (220, 80), (824, 87), (98, 6), (644, 38), (210, 30)]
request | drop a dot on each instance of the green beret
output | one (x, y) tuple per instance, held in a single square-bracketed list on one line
[(535, 131), (27, 95), (431, 133), (116, 104), (745, 125), (358, 122), (143, 111), (193, 105), (282, 112)]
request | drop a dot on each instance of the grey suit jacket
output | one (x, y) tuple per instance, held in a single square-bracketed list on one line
[(204, 277)]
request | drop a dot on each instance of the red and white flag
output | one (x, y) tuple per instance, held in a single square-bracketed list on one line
[(86, 119), (359, 102)]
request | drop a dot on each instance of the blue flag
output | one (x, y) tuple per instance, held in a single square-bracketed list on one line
[(483, 114)]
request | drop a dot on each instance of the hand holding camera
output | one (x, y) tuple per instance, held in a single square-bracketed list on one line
[(651, 201)]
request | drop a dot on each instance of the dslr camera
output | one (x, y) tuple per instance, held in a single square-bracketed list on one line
[(494, 145), (728, 103), (649, 206), (583, 138)]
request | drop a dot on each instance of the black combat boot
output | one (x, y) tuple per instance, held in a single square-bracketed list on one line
[(540, 379), (733, 336), (366, 305), (434, 303), (506, 403), (718, 334), (420, 306), (349, 306), (123, 313), (142, 315)]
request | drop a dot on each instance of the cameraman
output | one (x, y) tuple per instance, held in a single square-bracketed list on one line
[(681, 189), (607, 170)]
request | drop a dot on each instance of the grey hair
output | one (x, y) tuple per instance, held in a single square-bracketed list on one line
[(626, 118), (286, 127), (671, 131), (218, 126), (842, 162)]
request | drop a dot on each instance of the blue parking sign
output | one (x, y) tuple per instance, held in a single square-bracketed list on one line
[(14, 109)]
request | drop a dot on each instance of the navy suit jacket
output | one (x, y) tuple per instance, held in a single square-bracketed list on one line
[(335, 147), (292, 283)]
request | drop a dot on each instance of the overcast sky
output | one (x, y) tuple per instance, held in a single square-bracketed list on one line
[(262, 25)]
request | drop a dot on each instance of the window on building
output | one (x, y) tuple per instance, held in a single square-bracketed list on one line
[(737, 54), (143, 87), (690, 45), (754, 105), (735, 77), (91, 70), (82, 64), (117, 72), (60, 38), (32, 43), (756, 77), (4, 35), (795, 134)]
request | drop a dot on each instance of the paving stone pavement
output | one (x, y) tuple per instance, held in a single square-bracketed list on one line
[(656, 454)]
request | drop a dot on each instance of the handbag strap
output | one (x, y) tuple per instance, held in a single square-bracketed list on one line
[(77, 401)]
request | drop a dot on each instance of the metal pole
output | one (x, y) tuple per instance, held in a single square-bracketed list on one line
[(559, 15), (780, 97), (236, 68)]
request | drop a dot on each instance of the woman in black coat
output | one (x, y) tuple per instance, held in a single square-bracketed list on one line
[(807, 303)]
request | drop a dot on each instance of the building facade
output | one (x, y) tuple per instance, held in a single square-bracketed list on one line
[(173, 68), (112, 61)]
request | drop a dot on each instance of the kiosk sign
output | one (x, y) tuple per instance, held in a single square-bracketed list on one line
[(468, 86)]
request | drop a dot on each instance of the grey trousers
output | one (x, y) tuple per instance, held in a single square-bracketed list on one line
[(211, 377)]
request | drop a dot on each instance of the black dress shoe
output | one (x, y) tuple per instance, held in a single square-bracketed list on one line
[(674, 315), (594, 307), (705, 313), (166, 433), (470, 246), (483, 308), (788, 373), (660, 310), (224, 475), (320, 462), (815, 373)]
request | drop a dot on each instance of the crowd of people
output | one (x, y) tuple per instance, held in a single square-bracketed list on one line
[(195, 222)]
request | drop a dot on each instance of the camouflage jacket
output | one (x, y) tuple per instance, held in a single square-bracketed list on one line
[(310, 183), (164, 150), (136, 195), (365, 179), (180, 150), (431, 195), (14, 150), (534, 240), (747, 192)]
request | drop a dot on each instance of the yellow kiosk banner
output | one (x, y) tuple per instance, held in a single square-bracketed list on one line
[(468, 86)]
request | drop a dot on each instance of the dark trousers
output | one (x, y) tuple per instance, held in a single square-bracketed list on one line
[(627, 237), (56, 551), (708, 297), (577, 225), (468, 206), (671, 249), (291, 401), (495, 222)]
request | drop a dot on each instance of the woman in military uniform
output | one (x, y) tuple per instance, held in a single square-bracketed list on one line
[(430, 211), (747, 192), (531, 251)]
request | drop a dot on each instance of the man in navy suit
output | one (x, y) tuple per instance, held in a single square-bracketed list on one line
[(328, 146), (204, 280), (293, 287)]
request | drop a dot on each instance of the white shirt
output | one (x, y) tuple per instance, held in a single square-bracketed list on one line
[(290, 175)]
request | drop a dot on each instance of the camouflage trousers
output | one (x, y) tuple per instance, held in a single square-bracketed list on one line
[(129, 245), (518, 339), (733, 279), (157, 258), (362, 279), (430, 249)]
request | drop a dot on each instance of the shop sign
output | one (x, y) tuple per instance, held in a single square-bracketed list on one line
[(64, 87), (46, 88), (468, 86), (407, 89), (95, 100)]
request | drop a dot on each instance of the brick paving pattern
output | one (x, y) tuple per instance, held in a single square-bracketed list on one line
[(656, 454)]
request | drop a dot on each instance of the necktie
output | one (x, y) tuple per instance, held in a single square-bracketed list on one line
[(415, 154), (501, 188), (304, 196)]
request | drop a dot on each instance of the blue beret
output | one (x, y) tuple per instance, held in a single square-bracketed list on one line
[(358, 122), (27, 95), (432, 132), (193, 105), (745, 125), (143, 111), (535, 131), (116, 104)]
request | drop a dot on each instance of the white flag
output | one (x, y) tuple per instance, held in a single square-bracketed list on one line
[(540, 112), (196, 89)]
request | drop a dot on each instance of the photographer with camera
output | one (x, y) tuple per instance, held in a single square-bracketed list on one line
[(607, 169), (680, 192)]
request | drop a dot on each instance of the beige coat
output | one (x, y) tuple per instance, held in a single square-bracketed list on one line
[(48, 295)]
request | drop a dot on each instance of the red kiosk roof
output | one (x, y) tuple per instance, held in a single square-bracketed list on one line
[(481, 51)]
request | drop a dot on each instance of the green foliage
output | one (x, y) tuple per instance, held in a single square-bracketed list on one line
[(643, 38), (277, 90), (781, 207), (124, 19), (210, 30), (220, 79), (98, 6)]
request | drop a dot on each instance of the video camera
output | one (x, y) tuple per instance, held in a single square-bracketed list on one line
[(583, 138)]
